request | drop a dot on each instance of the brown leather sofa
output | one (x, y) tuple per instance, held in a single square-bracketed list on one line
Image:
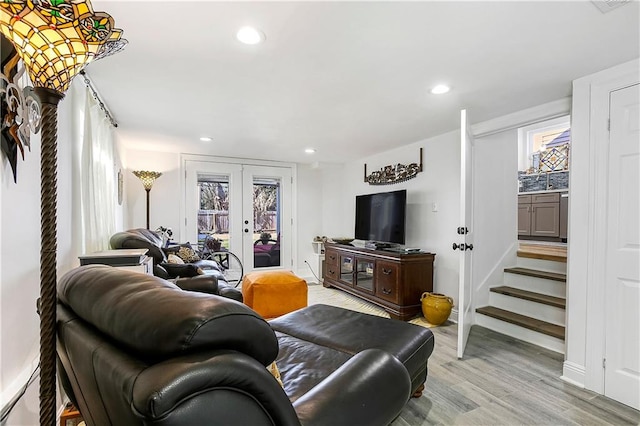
[(135, 349), (144, 238)]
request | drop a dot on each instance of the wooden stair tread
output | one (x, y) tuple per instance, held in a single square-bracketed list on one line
[(543, 327), (545, 299), (543, 252), (555, 276)]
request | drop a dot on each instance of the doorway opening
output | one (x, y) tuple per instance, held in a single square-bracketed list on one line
[(543, 183)]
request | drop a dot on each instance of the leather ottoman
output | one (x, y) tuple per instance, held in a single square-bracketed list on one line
[(274, 293), (339, 334)]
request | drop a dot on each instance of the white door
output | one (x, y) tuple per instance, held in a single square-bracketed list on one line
[(225, 201), (267, 213), (213, 203), (464, 242), (622, 279)]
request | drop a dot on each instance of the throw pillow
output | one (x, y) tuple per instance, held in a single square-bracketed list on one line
[(172, 258), (188, 254), (273, 369), (183, 251)]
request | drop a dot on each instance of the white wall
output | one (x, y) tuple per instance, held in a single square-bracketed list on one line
[(495, 183), (308, 219), (438, 183)]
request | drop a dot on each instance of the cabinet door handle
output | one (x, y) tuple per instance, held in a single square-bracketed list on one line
[(386, 290), (386, 271), (331, 271), (332, 257)]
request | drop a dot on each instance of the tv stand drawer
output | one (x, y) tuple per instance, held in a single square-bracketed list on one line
[(387, 280)]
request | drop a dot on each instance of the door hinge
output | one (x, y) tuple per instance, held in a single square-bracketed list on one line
[(292, 221), (609, 124), (604, 363)]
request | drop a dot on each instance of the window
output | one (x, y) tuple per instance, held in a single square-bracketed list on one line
[(544, 147)]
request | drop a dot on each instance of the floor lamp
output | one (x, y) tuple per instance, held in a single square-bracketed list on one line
[(55, 41), (147, 179)]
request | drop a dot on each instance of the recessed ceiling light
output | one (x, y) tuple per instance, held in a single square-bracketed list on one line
[(440, 89), (310, 151), (250, 35), (206, 139)]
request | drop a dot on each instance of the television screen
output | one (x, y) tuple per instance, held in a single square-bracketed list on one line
[(381, 217)]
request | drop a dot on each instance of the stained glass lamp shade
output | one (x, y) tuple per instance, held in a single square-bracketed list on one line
[(56, 39), (147, 178)]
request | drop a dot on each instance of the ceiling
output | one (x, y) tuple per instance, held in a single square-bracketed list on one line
[(350, 79)]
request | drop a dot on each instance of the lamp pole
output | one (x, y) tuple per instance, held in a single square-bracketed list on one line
[(148, 191), (48, 247)]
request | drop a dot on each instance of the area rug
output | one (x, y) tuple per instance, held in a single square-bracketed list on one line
[(331, 296)]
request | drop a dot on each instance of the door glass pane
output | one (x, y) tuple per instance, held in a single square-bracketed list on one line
[(213, 212), (266, 222)]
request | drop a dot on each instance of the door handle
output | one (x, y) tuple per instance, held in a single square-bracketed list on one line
[(462, 246)]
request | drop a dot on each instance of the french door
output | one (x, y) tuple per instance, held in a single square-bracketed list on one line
[(248, 208)]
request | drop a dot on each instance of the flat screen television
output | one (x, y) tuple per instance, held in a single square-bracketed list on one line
[(381, 217)]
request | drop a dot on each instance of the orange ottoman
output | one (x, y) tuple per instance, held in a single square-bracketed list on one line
[(274, 293)]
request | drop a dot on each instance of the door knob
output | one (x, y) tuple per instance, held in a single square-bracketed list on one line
[(462, 246), (246, 230), (246, 222)]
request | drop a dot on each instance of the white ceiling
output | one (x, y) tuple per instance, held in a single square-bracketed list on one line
[(349, 79)]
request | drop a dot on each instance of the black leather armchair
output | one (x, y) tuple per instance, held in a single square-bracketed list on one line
[(137, 350), (213, 282)]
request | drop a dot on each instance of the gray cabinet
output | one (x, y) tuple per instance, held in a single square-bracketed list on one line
[(539, 215)]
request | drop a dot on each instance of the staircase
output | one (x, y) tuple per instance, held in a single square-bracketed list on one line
[(530, 304)]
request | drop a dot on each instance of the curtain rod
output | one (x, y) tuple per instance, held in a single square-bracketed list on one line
[(101, 104)]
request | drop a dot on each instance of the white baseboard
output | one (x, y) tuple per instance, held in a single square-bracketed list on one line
[(573, 373), (453, 317)]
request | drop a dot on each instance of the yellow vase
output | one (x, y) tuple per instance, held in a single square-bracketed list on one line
[(436, 307)]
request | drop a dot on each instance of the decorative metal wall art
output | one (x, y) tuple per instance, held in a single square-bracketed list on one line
[(20, 108), (393, 174)]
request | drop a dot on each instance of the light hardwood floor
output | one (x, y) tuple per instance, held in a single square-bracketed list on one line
[(504, 381)]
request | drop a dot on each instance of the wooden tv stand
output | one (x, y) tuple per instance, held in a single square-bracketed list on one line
[(393, 281)]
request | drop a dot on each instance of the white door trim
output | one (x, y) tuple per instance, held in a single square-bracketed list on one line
[(587, 223)]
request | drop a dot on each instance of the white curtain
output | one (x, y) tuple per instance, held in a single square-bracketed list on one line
[(98, 184)]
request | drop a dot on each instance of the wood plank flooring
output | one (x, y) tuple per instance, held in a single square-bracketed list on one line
[(504, 381)]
